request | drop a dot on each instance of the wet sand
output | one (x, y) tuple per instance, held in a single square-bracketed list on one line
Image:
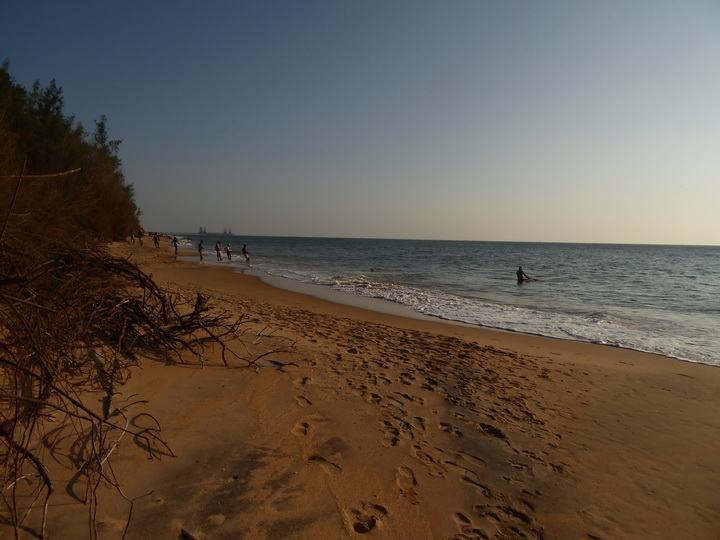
[(388, 427)]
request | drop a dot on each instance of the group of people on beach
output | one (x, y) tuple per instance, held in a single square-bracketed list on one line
[(522, 277), (154, 235), (219, 249)]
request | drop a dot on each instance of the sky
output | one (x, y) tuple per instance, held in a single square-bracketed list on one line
[(512, 120)]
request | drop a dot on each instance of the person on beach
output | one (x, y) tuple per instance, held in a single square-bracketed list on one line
[(228, 251), (521, 276), (246, 253), (175, 243), (218, 251), (132, 237), (200, 250)]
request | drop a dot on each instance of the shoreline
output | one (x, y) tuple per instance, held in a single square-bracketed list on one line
[(322, 292), (580, 297), (383, 310), (330, 301), (391, 427)]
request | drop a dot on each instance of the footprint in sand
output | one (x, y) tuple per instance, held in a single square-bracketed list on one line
[(395, 430), (302, 401), (518, 465), (431, 462), (303, 427), (492, 431), (365, 519), (463, 522), (449, 428), (405, 398), (418, 423), (405, 479), (302, 381), (384, 380), (463, 471), (507, 520), (300, 429), (484, 490), (391, 437), (328, 467), (466, 526), (470, 457)]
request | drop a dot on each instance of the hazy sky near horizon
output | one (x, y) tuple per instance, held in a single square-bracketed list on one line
[(560, 120)]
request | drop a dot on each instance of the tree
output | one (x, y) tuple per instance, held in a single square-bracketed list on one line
[(96, 201)]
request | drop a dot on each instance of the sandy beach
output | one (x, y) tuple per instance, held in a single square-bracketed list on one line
[(380, 426)]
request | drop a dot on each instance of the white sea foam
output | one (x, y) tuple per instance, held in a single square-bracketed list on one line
[(625, 304), (596, 328)]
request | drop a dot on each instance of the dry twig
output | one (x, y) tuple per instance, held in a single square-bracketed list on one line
[(72, 324)]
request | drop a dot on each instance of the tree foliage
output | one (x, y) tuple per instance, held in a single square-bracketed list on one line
[(94, 202)]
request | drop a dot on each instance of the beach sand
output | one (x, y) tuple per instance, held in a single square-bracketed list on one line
[(398, 428)]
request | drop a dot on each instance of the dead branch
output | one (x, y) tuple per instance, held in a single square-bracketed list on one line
[(74, 323)]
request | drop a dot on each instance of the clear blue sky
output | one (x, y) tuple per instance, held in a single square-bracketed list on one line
[(586, 121)]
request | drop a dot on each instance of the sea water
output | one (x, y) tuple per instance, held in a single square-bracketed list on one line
[(653, 298)]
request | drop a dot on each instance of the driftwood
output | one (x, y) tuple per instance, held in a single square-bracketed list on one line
[(73, 322)]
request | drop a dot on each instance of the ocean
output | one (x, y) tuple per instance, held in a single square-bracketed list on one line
[(653, 298)]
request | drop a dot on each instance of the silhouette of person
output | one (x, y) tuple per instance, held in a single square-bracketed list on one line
[(246, 253), (218, 251), (200, 249), (228, 251), (175, 243), (521, 276)]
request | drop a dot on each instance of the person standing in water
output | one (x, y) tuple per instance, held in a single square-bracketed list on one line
[(175, 243), (228, 251), (246, 253), (521, 276), (200, 250)]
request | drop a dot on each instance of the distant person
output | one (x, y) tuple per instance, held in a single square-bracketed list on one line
[(175, 243), (246, 253), (200, 250), (141, 233), (228, 251), (521, 276), (218, 250), (132, 237), (156, 239)]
